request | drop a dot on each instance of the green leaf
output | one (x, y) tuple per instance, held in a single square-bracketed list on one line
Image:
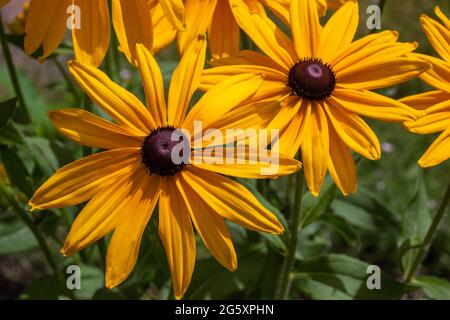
[(15, 237), (10, 136), (341, 226), (43, 154), (7, 110), (435, 288), (16, 170), (322, 204), (415, 222), (45, 288), (342, 277), (92, 279), (354, 214)]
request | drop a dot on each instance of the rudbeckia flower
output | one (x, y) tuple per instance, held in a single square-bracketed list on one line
[(216, 17), (48, 21), (435, 104), (124, 183), (322, 80)]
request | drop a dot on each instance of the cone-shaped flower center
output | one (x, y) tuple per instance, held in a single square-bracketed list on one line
[(157, 151), (312, 79)]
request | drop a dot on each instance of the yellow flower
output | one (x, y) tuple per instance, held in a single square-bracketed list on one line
[(48, 21), (216, 17), (17, 26), (124, 183), (322, 79), (3, 2), (435, 104)]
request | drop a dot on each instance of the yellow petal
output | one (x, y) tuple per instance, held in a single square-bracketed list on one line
[(185, 80), (91, 42), (439, 75), (280, 8), (443, 17), (438, 152), (373, 105), (339, 31), (315, 150), (90, 130), (135, 211), (438, 35), (354, 131), (384, 37), (46, 25), (292, 135), (341, 165), (132, 22), (163, 28), (251, 17), (223, 44), (100, 215), (249, 162), (199, 14), (231, 200), (82, 179), (177, 235), (210, 226), (305, 28), (251, 58), (175, 12), (153, 84), (120, 104), (424, 100), (436, 119), (223, 98), (381, 74)]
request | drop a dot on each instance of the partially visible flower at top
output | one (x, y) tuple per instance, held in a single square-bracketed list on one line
[(322, 80), (124, 183), (216, 18), (3, 2), (47, 25), (17, 26), (435, 104)]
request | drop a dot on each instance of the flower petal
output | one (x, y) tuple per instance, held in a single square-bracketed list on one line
[(175, 12), (354, 131), (91, 42), (231, 200), (439, 75), (424, 100), (341, 165), (436, 119), (438, 152), (315, 150), (153, 84), (120, 104), (373, 105), (90, 130), (132, 22), (252, 18), (305, 28), (210, 226), (185, 80), (163, 28), (438, 35), (135, 211), (339, 31), (222, 44), (199, 14), (177, 235), (80, 180), (46, 25)]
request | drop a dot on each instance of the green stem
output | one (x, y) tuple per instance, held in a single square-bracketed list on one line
[(422, 252), (13, 73), (69, 82), (19, 208), (292, 246)]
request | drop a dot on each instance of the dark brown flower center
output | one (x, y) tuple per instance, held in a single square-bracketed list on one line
[(312, 79), (157, 151)]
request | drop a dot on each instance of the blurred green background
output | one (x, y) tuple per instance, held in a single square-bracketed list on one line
[(395, 202)]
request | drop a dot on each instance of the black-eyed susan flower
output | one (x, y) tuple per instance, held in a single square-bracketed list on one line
[(124, 183), (48, 21), (216, 17), (434, 104), (322, 80)]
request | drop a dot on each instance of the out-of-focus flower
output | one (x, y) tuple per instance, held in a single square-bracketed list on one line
[(322, 79), (17, 26), (434, 104)]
